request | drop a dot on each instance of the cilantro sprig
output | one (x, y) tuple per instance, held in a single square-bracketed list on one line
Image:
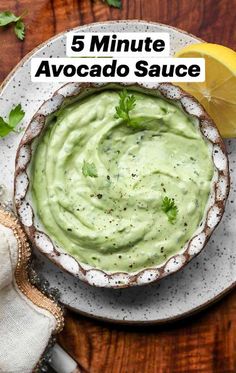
[(114, 3), (8, 18), (14, 118), (170, 209), (89, 169), (126, 104), (19, 29)]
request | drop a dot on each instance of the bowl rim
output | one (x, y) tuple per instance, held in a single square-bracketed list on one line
[(94, 276)]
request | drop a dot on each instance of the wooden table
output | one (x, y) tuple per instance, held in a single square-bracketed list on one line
[(206, 342)]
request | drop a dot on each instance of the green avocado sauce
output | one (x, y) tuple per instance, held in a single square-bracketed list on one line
[(113, 220)]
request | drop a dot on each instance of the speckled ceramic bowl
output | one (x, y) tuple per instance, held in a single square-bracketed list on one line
[(213, 212)]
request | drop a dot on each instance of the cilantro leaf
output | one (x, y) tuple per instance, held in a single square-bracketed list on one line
[(15, 117), (20, 29), (7, 17), (170, 209), (4, 128), (89, 169), (126, 104), (114, 3)]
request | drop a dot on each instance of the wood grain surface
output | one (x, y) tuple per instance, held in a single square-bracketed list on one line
[(205, 343)]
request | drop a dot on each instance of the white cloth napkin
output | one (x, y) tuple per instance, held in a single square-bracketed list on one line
[(27, 317)]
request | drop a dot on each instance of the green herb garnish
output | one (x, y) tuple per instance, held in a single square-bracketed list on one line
[(7, 18), (20, 29), (170, 209), (114, 3), (15, 117), (126, 104), (89, 169)]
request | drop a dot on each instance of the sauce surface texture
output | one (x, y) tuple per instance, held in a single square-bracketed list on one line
[(114, 220)]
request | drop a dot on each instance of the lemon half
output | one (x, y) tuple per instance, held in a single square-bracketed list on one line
[(218, 93)]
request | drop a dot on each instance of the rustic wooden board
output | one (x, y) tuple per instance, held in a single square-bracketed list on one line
[(206, 342)]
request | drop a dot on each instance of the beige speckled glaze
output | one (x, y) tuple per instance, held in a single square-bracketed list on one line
[(93, 276)]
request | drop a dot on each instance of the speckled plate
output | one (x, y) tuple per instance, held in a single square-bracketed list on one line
[(204, 280)]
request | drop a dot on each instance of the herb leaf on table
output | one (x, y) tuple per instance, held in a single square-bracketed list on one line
[(114, 3), (8, 18), (20, 29)]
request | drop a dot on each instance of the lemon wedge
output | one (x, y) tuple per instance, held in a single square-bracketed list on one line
[(218, 93)]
